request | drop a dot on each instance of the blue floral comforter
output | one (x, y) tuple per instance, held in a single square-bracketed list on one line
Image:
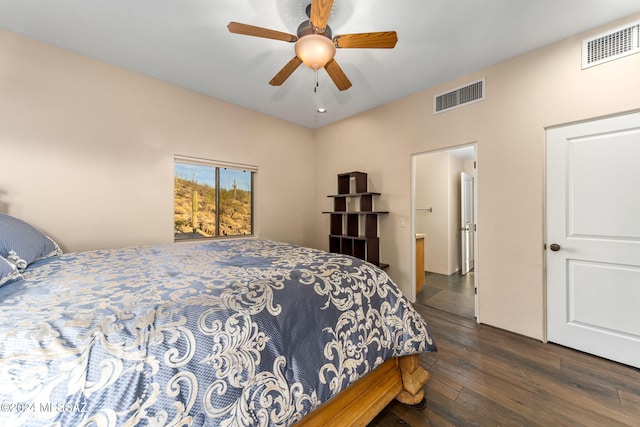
[(230, 333)]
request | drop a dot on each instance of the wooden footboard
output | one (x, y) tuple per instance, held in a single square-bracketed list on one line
[(401, 378)]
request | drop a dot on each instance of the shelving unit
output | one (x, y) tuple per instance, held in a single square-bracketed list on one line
[(354, 221)]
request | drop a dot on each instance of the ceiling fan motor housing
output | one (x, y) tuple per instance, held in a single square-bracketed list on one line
[(306, 29)]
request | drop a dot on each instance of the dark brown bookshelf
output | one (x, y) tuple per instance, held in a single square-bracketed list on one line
[(354, 229)]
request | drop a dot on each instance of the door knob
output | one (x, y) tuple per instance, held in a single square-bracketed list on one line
[(554, 247)]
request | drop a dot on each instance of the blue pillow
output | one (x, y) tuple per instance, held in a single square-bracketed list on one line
[(8, 272), (22, 244)]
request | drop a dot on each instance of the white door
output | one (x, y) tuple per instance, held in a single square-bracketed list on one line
[(466, 221), (593, 237)]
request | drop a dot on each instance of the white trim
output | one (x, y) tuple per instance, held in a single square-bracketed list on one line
[(217, 163)]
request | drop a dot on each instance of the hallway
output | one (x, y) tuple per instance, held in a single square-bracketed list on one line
[(452, 294)]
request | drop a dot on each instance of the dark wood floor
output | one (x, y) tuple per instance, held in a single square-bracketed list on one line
[(483, 376), (453, 293)]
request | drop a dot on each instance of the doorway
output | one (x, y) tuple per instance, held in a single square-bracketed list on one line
[(443, 217)]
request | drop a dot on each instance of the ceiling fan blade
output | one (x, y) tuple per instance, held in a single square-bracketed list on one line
[(337, 75), (320, 11), (250, 30), (382, 39), (286, 71)]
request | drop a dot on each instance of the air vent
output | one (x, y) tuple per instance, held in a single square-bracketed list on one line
[(615, 44), (468, 94)]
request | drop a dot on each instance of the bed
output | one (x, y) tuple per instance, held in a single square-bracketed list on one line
[(232, 332)]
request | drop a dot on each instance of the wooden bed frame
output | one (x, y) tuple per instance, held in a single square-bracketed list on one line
[(401, 378)]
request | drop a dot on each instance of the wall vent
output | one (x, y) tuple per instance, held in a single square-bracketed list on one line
[(464, 95), (612, 45)]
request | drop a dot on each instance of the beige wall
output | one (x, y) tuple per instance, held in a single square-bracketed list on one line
[(524, 95), (456, 166), (87, 153), (87, 150), (437, 187)]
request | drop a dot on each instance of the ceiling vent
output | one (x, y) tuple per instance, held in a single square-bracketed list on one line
[(612, 45), (464, 95)]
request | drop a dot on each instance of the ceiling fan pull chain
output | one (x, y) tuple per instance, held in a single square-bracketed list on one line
[(315, 87)]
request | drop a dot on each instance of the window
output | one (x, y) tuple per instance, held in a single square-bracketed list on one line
[(212, 199)]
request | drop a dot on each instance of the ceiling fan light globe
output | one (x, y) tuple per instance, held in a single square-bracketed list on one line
[(315, 50)]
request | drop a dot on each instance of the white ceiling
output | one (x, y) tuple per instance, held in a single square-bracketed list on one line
[(186, 42)]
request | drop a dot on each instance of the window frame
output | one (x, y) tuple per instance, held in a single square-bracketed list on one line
[(218, 165)]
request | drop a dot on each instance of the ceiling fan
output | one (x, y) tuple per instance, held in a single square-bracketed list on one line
[(313, 43)]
